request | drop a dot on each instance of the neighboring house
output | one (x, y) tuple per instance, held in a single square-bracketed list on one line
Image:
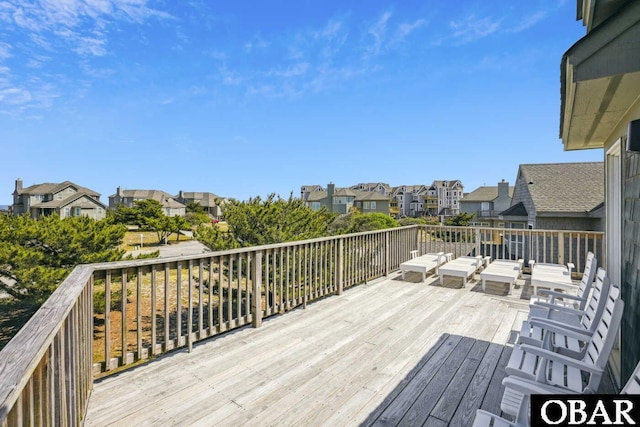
[(373, 201), (558, 196), (209, 201), (305, 190), (64, 199), (486, 203), (170, 206), (449, 195), (342, 200), (378, 187), (600, 97)]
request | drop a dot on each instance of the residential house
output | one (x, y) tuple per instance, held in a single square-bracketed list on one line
[(558, 196), (305, 190), (600, 103), (378, 187), (344, 200), (170, 206), (410, 199), (209, 201), (449, 195), (486, 203), (65, 199), (373, 201)]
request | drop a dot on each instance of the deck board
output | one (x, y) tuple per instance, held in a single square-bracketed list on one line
[(383, 353)]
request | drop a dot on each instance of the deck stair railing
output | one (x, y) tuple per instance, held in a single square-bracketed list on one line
[(106, 317)]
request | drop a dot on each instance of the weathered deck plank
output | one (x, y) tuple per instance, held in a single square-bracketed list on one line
[(380, 353)]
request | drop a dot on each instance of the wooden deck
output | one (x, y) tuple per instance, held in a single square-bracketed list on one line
[(387, 353)]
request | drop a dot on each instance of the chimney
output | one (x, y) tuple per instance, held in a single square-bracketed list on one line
[(330, 189), (119, 191), (18, 186), (503, 189), (180, 195)]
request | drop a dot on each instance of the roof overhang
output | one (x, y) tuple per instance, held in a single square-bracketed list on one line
[(600, 81)]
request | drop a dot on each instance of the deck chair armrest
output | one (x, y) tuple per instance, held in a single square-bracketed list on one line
[(556, 294), (559, 358), (542, 322), (529, 387), (560, 308), (582, 336)]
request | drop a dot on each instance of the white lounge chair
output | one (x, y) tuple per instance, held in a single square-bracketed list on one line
[(504, 271), (564, 373), (464, 267), (584, 321), (527, 388), (574, 300), (425, 263)]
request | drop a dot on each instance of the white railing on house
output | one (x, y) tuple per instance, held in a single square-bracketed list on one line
[(104, 317)]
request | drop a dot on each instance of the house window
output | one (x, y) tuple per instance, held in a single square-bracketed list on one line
[(67, 212), (340, 200), (366, 205), (78, 211), (59, 196), (373, 205), (315, 206)]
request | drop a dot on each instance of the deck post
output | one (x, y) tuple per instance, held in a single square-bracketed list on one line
[(561, 248), (387, 253), (340, 266), (257, 289)]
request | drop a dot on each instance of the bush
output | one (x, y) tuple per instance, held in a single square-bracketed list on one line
[(115, 303)]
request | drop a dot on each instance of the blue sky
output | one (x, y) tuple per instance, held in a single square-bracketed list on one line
[(245, 98)]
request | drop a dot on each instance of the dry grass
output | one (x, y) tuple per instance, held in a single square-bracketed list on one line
[(132, 240)]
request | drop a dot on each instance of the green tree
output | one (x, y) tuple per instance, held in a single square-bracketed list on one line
[(371, 221), (260, 222), (164, 226), (139, 214), (462, 219), (36, 255)]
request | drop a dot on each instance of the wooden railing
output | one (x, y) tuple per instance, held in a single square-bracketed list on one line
[(105, 317)]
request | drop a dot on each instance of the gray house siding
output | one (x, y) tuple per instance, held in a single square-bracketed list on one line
[(568, 223), (470, 207), (630, 286), (521, 194)]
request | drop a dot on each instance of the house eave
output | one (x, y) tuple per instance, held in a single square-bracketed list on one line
[(600, 81)]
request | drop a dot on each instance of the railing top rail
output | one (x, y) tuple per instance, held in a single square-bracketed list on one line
[(513, 230), (20, 357), (168, 260)]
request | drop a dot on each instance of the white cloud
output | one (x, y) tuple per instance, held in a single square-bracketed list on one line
[(5, 51), (405, 29), (378, 31), (15, 96), (292, 71), (472, 28), (257, 43), (528, 22)]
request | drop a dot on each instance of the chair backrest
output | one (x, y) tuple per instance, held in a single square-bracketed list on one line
[(587, 279), (598, 299), (633, 385), (601, 344)]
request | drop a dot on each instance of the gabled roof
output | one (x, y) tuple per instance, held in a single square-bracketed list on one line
[(362, 196), (145, 194), (484, 194), (317, 196), (516, 210), (564, 187), (52, 188), (312, 187), (205, 199), (55, 204)]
